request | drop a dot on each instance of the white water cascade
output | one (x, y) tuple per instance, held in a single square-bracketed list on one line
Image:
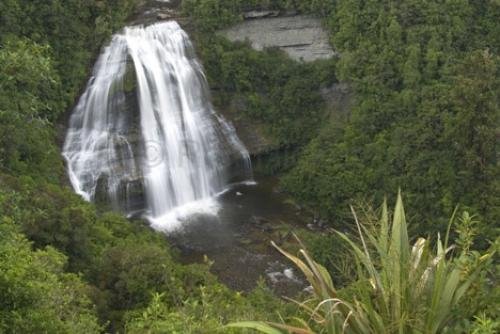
[(144, 136)]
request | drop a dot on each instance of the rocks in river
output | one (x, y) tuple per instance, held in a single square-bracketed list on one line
[(289, 273), (317, 223), (259, 220), (309, 289), (264, 224), (245, 241), (277, 274)]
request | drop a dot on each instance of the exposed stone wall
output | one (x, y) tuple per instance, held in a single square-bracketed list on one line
[(302, 37)]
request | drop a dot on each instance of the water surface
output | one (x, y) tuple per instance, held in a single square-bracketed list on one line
[(238, 238)]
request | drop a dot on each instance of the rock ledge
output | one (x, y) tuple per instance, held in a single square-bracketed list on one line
[(302, 37)]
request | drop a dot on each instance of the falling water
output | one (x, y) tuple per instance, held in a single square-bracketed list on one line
[(144, 133)]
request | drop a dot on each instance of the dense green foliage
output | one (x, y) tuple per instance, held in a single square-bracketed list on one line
[(37, 295), (46, 49), (74, 29), (210, 15), (207, 310), (122, 265), (425, 115), (29, 96), (399, 288), (266, 87)]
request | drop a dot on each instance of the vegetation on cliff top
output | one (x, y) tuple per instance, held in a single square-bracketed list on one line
[(425, 115)]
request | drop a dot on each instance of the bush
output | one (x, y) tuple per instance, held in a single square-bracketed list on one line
[(399, 288), (37, 296), (266, 88)]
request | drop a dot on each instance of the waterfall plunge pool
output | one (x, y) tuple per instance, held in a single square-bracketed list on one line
[(238, 238)]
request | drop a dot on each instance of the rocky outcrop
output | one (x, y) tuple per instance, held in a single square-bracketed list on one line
[(259, 14), (338, 99), (302, 37), (253, 135), (152, 11)]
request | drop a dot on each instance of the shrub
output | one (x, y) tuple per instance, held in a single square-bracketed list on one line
[(400, 287), (37, 296)]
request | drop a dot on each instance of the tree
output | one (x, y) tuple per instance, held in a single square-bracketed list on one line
[(36, 295)]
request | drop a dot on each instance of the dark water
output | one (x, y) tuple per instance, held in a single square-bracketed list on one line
[(238, 239)]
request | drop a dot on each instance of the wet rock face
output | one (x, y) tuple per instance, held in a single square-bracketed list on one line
[(128, 195), (301, 36)]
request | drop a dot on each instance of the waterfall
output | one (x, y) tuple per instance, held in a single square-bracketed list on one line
[(144, 136)]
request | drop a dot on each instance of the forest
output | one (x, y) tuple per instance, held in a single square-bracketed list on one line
[(423, 129)]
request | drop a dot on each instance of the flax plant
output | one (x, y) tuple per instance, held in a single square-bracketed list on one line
[(400, 288)]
